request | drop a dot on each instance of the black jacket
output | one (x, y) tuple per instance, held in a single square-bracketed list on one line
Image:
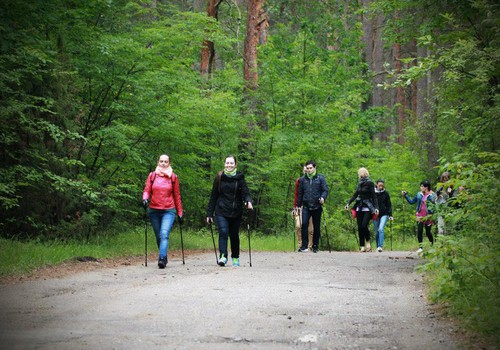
[(365, 195), (384, 203), (311, 190), (228, 196)]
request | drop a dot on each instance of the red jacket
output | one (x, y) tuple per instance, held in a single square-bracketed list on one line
[(163, 192), (296, 193)]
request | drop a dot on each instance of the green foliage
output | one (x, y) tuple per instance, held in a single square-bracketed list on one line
[(464, 265)]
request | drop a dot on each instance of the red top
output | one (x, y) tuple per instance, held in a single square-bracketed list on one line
[(166, 192), (296, 193)]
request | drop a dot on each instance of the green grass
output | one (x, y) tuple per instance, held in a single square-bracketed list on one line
[(24, 257)]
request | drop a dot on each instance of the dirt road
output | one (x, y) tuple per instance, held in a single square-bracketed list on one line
[(335, 300)]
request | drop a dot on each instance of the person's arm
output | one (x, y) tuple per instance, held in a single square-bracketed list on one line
[(324, 189), (214, 196), (146, 193), (245, 194), (374, 196), (300, 195), (177, 196), (296, 193), (410, 200), (388, 205)]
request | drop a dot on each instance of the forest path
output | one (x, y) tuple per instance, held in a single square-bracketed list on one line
[(338, 300)]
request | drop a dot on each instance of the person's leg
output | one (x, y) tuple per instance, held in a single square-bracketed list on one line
[(223, 228), (381, 229), (420, 233), (306, 214), (310, 230), (366, 231), (359, 220), (155, 218), (298, 227), (316, 219), (376, 225), (428, 233), (167, 221), (234, 236)]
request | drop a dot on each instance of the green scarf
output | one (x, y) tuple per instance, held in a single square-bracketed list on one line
[(230, 173), (310, 176)]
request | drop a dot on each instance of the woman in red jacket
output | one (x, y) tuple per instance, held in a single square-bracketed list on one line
[(162, 195)]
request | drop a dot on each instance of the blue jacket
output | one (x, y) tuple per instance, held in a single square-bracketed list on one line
[(418, 199)]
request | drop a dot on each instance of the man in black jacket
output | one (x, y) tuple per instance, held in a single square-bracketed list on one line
[(313, 191)]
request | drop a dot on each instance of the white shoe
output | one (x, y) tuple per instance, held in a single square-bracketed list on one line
[(222, 261), (419, 250), (379, 249), (362, 250)]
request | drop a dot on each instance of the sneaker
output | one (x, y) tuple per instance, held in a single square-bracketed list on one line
[(303, 250), (420, 250), (368, 247), (236, 261), (222, 261), (315, 249), (362, 249), (162, 263), (379, 249)]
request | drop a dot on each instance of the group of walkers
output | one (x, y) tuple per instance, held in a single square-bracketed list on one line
[(162, 199), (230, 195)]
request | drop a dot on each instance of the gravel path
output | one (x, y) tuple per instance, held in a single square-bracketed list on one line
[(338, 300)]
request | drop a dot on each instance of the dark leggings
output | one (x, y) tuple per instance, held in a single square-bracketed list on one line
[(420, 232), (363, 218)]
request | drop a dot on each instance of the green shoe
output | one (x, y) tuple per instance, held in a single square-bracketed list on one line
[(236, 261)]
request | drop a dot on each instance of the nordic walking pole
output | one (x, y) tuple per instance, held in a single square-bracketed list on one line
[(390, 227), (327, 239), (248, 231), (182, 241), (145, 239), (213, 240), (294, 229), (352, 225)]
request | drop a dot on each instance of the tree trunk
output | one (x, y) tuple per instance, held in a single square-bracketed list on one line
[(208, 48), (255, 22), (400, 96)]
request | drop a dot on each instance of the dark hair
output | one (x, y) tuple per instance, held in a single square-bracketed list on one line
[(380, 180), (426, 183), (231, 156), (311, 162)]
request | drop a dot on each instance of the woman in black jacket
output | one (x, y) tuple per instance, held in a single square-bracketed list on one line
[(366, 205), (385, 213), (229, 194)]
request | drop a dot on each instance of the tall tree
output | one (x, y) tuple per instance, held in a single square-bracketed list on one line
[(208, 47), (256, 23)]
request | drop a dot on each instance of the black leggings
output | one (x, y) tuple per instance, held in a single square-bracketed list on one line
[(363, 218), (420, 232)]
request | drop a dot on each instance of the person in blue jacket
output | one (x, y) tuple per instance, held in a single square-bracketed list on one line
[(425, 200)]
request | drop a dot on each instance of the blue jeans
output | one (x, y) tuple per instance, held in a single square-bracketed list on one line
[(229, 227), (379, 226), (162, 222), (316, 219)]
